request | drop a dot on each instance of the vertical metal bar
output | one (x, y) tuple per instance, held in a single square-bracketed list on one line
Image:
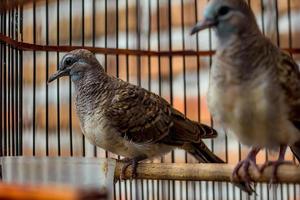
[(13, 144), (277, 25), (82, 43), (93, 43), (16, 32), (262, 15), (158, 47), (9, 86), (184, 84), (127, 41), (12, 86), (34, 79), (117, 73), (170, 57), (159, 77), (171, 84), (4, 84), (1, 88), (57, 88), (46, 85), (149, 44), (70, 83), (117, 38), (290, 25), (149, 79), (105, 42), (21, 85), (4, 87), (16, 19), (138, 40)]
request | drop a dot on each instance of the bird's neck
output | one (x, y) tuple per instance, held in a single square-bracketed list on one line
[(92, 91), (92, 80), (241, 57), (238, 42)]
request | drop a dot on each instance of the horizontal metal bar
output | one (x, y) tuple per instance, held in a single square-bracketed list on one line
[(112, 51), (205, 172)]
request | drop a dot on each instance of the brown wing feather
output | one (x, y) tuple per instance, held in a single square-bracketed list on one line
[(289, 78), (144, 117), (139, 115)]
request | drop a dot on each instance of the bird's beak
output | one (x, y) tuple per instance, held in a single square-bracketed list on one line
[(58, 74), (206, 23)]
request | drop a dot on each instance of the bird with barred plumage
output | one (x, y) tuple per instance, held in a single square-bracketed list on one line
[(128, 120), (254, 88)]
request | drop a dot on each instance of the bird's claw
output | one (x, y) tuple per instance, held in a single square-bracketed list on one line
[(127, 162), (245, 175), (275, 164)]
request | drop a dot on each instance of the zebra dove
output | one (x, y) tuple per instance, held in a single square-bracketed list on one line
[(254, 88), (126, 119)]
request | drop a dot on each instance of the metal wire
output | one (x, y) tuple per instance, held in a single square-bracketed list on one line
[(57, 89), (34, 81), (70, 83)]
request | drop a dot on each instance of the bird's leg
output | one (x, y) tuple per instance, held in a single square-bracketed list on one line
[(276, 164), (245, 165), (130, 161)]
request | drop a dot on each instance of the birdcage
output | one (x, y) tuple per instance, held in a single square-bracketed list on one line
[(144, 42)]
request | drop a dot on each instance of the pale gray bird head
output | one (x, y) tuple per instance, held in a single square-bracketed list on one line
[(77, 64), (228, 17)]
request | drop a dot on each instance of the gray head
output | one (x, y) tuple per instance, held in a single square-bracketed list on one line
[(77, 64), (228, 17)]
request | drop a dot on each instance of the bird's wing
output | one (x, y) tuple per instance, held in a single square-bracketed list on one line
[(289, 78), (143, 117)]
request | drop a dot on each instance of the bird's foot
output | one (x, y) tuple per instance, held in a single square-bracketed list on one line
[(244, 165), (244, 178), (275, 164), (127, 162)]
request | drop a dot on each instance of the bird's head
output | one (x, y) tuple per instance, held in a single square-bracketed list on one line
[(76, 64), (228, 17)]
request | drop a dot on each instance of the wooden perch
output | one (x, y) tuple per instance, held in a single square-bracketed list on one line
[(205, 172)]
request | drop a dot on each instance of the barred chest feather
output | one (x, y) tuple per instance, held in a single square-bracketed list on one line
[(254, 111), (100, 133)]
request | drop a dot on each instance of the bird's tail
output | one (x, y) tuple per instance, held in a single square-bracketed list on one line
[(202, 153), (296, 150)]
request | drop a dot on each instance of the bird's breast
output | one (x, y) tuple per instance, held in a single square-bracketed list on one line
[(100, 133), (254, 111)]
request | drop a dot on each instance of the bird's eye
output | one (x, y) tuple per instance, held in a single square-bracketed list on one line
[(223, 10), (68, 61)]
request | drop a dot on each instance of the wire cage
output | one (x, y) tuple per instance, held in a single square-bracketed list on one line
[(145, 42)]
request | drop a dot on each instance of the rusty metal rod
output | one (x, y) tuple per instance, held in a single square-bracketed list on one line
[(112, 51)]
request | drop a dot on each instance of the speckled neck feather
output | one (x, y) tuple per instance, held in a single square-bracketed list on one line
[(93, 91)]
